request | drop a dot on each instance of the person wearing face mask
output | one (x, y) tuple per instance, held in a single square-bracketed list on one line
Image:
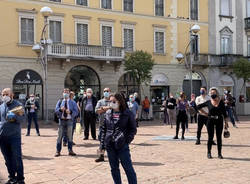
[(10, 136), (118, 131), (32, 107), (228, 100), (182, 107), (171, 104), (134, 108), (87, 105), (66, 109), (101, 107), (216, 113)]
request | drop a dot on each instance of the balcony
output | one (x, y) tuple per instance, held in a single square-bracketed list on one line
[(247, 24), (200, 60), (88, 52)]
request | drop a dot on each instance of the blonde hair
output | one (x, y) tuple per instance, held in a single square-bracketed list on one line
[(215, 89)]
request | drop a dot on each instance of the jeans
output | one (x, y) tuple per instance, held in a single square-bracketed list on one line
[(32, 115), (65, 138), (64, 125), (122, 155), (202, 120), (12, 153), (230, 114)]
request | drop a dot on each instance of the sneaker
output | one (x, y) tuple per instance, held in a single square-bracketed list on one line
[(198, 142), (85, 138), (11, 181), (182, 138), (209, 156), (100, 159), (57, 154), (213, 143), (38, 134), (235, 126), (175, 137), (71, 153), (220, 156)]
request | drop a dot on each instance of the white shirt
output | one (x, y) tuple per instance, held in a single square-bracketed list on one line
[(199, 100)]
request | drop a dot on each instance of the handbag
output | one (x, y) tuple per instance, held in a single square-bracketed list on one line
[(118, 137), (226, 133)]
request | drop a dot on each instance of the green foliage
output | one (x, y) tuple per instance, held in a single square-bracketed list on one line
[(241, 68), (139, 64)]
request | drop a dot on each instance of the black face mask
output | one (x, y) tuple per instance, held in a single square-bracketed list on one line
[(213, 96)]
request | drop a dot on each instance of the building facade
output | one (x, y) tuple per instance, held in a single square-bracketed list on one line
[(229, 41), (90, 40)]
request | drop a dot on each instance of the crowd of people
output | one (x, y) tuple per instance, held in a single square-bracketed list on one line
[(118, 119)]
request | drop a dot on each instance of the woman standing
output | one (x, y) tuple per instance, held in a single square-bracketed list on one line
[(216, 112), (118, 132), (182, 106)]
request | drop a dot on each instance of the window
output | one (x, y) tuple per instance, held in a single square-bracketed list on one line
[(56, 0), (82, 2), (248, 8), (194, 9), (107, 4), (159, 42), (107, 36), (248, 94), (128, 37), (128, 5), (27, 31), (225, 7), (159, 8), (225, 44), (55, 31), (248, 46), (82, 33), (195, 45)]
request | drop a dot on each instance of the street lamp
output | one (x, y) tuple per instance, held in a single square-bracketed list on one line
[(192, 33), (41, 50)]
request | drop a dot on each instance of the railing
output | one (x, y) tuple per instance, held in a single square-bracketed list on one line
[(86, 51), (247, 23)]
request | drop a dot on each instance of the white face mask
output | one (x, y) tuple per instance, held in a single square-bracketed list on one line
[(89, 94), (114, 105), (6, 99), (32, 98)]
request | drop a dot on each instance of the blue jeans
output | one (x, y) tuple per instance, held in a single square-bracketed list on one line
[(65, 138), (12, 153), (64, 125), (230, 114), (122, 155), (32, 115)]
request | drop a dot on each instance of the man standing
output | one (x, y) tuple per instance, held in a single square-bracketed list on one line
[(32, 107), (146, 106), (66, 110), (101, 107), (171, 104), (202, 118), (133, 107), (11, 117), (87, 105), (228, 100)]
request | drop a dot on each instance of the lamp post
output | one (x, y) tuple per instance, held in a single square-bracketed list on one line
[(42, 50), (193, 35)]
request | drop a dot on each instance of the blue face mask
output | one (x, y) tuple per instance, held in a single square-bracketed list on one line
[(65, 95), (131, 99), (106, 94), (202, 92)]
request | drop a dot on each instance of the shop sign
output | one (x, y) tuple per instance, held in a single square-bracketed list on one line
[(159, 80), (27, 77)]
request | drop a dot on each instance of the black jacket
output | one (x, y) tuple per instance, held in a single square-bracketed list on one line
[(29, 103), (125, 124)]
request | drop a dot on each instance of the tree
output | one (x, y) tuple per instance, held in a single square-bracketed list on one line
[(139, 64), (241, 68)]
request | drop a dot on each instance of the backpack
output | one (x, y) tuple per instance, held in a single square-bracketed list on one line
[(56, 118)]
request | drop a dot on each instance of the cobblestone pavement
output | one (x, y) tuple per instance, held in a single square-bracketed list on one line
[(155, 160)]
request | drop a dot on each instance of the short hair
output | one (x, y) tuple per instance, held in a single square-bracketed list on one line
[(214, 89), (89, 89), (204, 87), (66, 89), (121, 101)]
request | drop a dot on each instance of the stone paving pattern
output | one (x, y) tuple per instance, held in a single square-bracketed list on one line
[(155, 162)]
